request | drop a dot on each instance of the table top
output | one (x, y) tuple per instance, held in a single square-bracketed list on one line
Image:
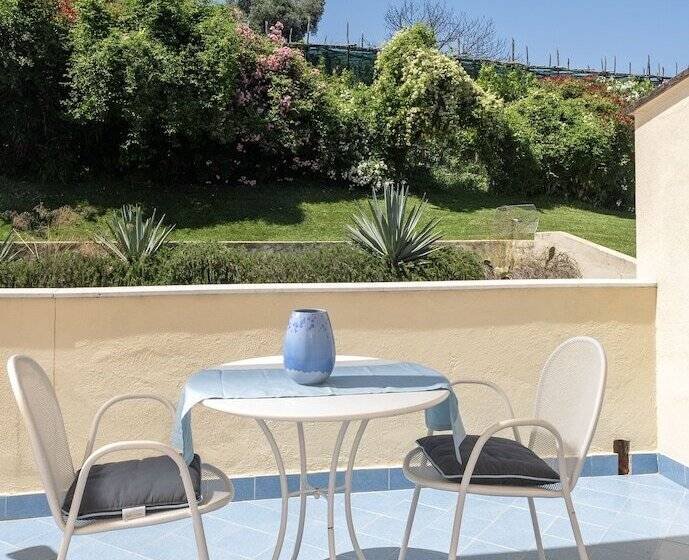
[(336, 408)]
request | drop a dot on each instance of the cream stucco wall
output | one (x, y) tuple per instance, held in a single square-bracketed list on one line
[(96, 346), (662, 241)]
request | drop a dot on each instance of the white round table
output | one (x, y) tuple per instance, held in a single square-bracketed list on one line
[(340, 408)]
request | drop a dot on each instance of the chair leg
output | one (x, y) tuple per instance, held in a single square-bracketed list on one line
[(410, 522), (199, 534), (536, 529), (64, 545), (457, 525), (581, 548)]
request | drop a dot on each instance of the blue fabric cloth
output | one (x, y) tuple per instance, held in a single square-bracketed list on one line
[(253, 382)]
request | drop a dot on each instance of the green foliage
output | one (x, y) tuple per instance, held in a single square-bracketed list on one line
[(8, 252), (134, 239), (420, 99), (392, 233), (138, 74), (183, 88), (217, 264), (576, 142), (293, 14), (508, 84), (629, 90), (202, 263), (65, 269), (33, 57), (448, 263)]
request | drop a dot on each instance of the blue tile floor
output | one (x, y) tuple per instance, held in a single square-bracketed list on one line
[(630, 518)]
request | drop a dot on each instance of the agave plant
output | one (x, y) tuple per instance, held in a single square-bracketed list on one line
[(134, 238), (7, 251), (388, 230)]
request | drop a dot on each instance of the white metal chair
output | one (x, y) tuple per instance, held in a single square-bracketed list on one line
[(41, 412), (568, 404)]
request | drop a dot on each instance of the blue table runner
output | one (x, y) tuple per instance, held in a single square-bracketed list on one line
[(349, 378)]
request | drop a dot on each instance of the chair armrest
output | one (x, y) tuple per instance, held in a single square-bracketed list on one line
[(125, 446), (120, 398), (501, 394), (514, 423)]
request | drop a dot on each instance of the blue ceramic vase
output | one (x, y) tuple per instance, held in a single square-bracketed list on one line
[(309, 346)]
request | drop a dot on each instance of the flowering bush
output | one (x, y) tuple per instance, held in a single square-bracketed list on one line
[(420, 98), (289, 111), (508, 84), (630, 89), (186, 88), (576, 142)]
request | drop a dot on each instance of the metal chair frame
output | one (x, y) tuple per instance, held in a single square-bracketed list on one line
[(21, 367), (569, 473)]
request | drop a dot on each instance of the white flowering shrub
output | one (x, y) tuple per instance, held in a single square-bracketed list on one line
[(630, 89), (420, 98)]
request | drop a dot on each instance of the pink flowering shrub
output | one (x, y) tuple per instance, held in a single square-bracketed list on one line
[(290, 111), (212, 100)]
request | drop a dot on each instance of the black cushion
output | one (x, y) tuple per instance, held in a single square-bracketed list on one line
[(153, 482), (501, 461)]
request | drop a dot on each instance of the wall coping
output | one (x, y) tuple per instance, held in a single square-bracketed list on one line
[(218, 289), (588, 243)]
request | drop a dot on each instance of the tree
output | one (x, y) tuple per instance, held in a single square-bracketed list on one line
[(295, 15), (454, 30), (33, 62)]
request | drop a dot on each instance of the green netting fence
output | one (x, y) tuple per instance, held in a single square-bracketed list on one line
[(360, 60)]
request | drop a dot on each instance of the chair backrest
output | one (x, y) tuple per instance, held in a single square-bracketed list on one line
[(570, 396), (40, 409)]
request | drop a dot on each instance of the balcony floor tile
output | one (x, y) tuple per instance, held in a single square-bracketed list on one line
[(642, 517)]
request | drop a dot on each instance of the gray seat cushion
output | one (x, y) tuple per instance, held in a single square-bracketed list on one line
[(153, 482), (501, 461)]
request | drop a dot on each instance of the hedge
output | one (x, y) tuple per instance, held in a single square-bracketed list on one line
[(186, 91), (204, 263)]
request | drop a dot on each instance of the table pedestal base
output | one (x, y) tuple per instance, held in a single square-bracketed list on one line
[(305, 489)]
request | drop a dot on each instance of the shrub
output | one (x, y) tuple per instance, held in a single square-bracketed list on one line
[(40, 219), (548, 264), (448, 263), (133, 238), (136, 74), (629, 89), (33, 61), (184, 88), (201, 264), (571, 139), (205, 263), (420, 99), (65, 269), (293, 115), (508, 84), (392, 234), (218, 264)]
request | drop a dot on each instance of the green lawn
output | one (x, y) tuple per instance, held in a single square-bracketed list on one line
[(296, 211)]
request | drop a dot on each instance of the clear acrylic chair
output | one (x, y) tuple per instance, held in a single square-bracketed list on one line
[(568, 404), (41, 412)]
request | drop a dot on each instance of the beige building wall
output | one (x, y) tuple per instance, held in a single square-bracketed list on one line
[(662, 242), (96, 347)]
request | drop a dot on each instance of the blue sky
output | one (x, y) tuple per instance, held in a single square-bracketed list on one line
[(583, 30)]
